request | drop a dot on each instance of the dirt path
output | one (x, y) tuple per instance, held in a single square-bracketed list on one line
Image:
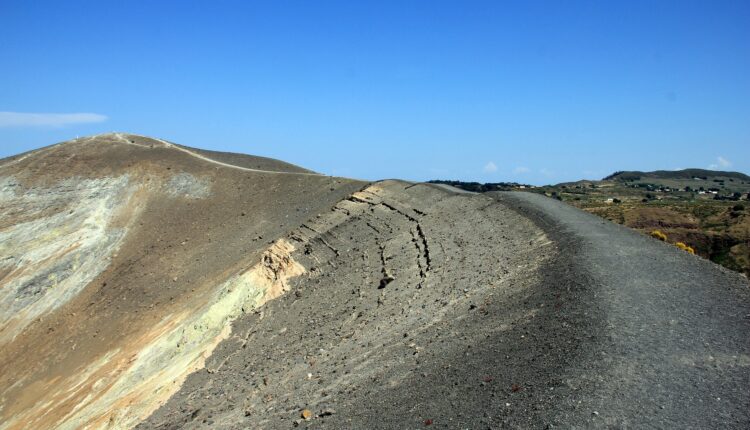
[(122, 138), (674, 345)]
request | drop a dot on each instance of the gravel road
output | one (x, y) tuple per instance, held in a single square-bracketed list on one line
[(669, 343)]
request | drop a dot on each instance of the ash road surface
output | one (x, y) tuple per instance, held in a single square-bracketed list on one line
[(669, 339), (499, 310)]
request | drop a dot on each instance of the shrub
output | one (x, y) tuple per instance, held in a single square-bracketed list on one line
[(656, 234), (684, 247)]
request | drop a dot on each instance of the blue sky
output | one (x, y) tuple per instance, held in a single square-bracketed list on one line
[(536, 92)]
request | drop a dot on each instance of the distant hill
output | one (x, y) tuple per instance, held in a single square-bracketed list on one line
[(675, 174)]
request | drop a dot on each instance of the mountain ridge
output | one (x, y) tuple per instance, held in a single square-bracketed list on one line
[(626, 175), (147, 284)]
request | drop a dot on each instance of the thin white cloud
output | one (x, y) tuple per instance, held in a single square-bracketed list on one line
[(721, 162), (22, 119), (490, 167), (521, 170), (546, 172)]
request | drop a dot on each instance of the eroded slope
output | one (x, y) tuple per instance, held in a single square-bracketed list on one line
[(404, 286), (123, 260)]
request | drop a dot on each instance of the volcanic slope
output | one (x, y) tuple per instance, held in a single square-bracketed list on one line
[(425, 306), (192, 289), (123, 259), (405, 287)]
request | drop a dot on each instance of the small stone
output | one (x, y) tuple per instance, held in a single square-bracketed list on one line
[(595, 413), (306, 414)]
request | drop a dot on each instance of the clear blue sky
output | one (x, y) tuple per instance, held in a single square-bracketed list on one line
[(527, 91)]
